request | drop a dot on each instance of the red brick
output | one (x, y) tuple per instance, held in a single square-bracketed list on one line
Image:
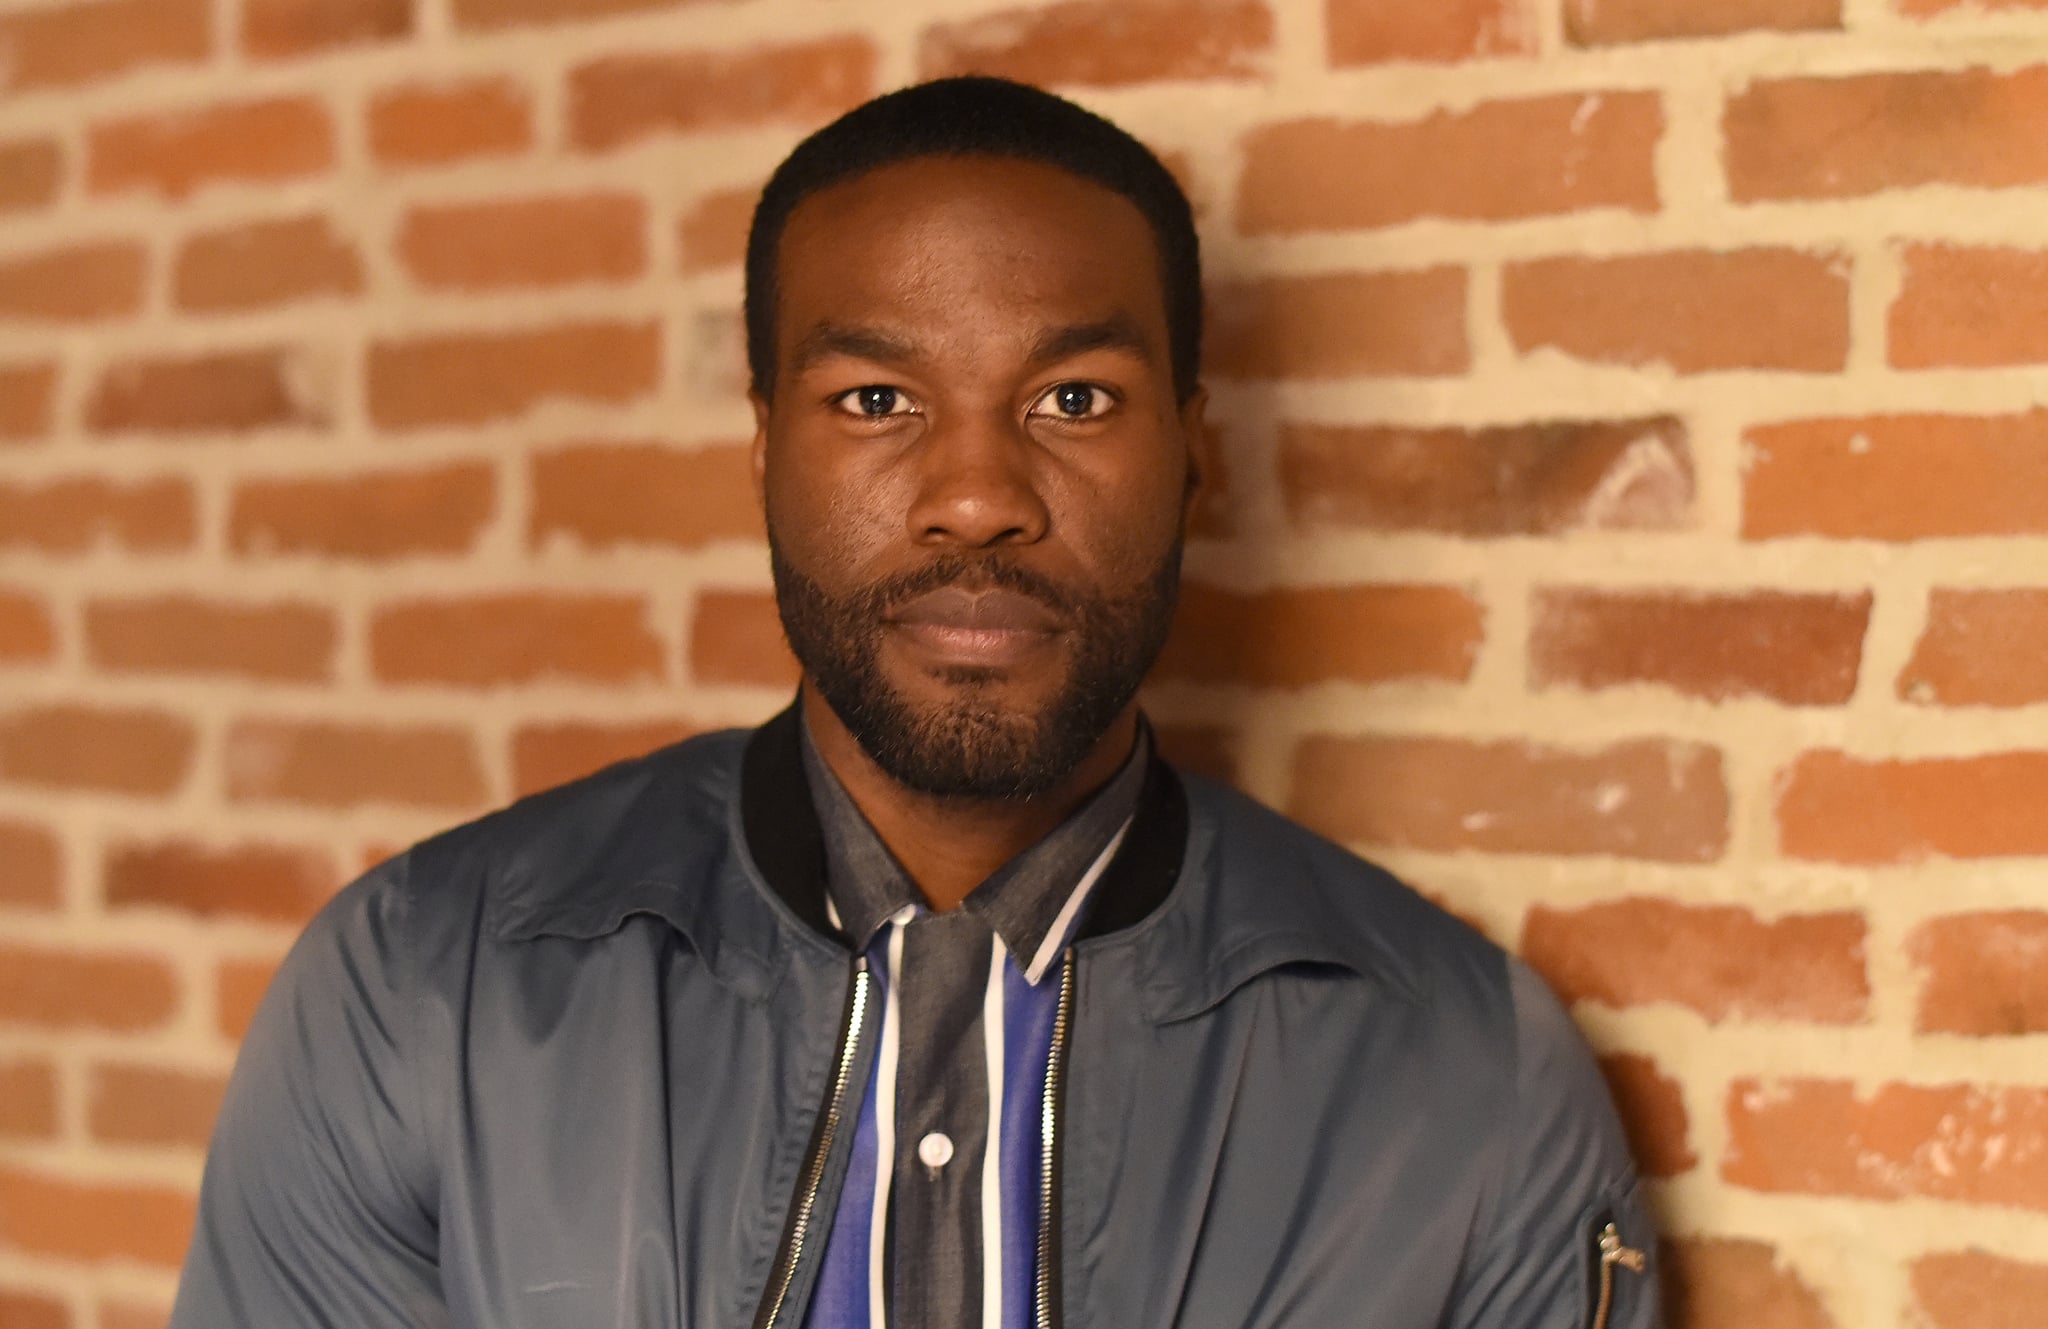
[(1734, 1283), (1104, 43), (67, 45), (713, 232), (270, 882), (33, 1310), (1977, 1290), (1949, 1142), (1340, 325), (1967, 307), (70, 516), (92, 1220), (1204, 749), (604, 495), (490, 14), (1901, 477), (31, 169), (1926, 8), (1547, 478), (1802, 649), (225, 392), (473, 378), (28, 635), (1365, 32), (1645, 798), (1837, 808), (482, 641), (1607, 22), (620, 99), (1980, 648), (31, 867), (28, 395), (1987, 973), (28, 1109), (100, 279), (1720, 960), (238, 986), (151, 1105), (266, 263), (374, 515), (1498, 161), (545, 755), (1694, 311), (84, 990), (187, 634), (133, 1315), (736, 637), (255, 142), (1296, 637), (526, 242), (1841, 137), (343, 764), (431, 125), (1652, 1109), (273, 28), (83, 747)]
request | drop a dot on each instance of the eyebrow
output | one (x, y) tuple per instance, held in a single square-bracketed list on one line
[(1118, 332), (830, 339)]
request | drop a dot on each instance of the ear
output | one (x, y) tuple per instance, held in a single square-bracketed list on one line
[(1201, 462), (757, 452)]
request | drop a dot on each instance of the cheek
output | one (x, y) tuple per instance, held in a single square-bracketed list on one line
[(827, 512)]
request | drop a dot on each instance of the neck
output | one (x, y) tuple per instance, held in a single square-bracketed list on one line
[(951, 845)]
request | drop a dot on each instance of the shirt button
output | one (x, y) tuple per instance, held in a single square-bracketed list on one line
[(935, 1150)]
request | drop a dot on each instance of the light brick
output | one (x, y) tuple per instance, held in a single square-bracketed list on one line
[(239, 986), (71, 516), (1978, 1290), (28, 399), (188, 634), (1986, 973), (264, 263), (223, 392), (478, 377), (621, 99), (42, 1214), (77, 283), (1341, 325), (31, 866), (176, 153), (1839, 808), (436, 124), (494, 640), (152, 1105), (1608, 22), (1736, 1283), (605, 495), (489, 15), (31, 171), (1980, 648), (28, 1109), (78, 746), (277, 28), (525, 242), (341, 764), (1652, 1108), (1300, 636), (1364, 32), (1644, 799), (56, 46), (1104, 43), (28, 635), (736, 637), (269, 882), (545, 755), (375, 515), (1969, 307), (80, 990), (1499, 161)]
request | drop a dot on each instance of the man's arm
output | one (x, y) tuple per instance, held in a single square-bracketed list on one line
[(316, 1209), (1567, 1174)]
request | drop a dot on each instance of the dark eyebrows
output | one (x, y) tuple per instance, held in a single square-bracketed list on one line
[(829, 339), (1115, 333)]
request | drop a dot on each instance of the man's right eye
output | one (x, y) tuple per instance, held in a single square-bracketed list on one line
[(873, 401)]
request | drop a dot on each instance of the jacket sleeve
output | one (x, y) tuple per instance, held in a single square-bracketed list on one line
[(1537, 1263), (316, 1207)]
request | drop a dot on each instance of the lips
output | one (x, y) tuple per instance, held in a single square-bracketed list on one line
[(952, 607)]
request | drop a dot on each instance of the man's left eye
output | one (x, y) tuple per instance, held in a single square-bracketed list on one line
[(1073, 401)]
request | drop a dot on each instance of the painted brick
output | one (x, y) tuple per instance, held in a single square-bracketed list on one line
[(71, 516), (342, 764), (1694, 311), (222, 392), (1980, 648), (1500, 160), (28, 635), (375, 515), (603, 495), (1646, 798), (545, 755), (1608, 22), (1719, 960), (1839, 808), (736, 637), (1736, 1283), (174, 154), (436, 124), (1947, 1142), (41, 1214), (493, 640), (1986, 973), (51, 46), (1969, 307), (1977, 1290), (269, 882), (1300, 636), (1901, 477), (80, 990), (77, 746), (31, 171), (1104, 43), (28, 1109), (1366, 32), (78, 283), (152, 1105), (239, 986), (1843, 137), (1652, 1109), (1341, 325), (275, 28), (712, 233), (474, 378), (621, 99), (488, 15), (1802, 649), (263, 263), (525, 242), (28, 397), (187, 634), (31, 866)]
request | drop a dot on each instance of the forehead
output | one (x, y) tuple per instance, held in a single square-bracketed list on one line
[(936, 242)]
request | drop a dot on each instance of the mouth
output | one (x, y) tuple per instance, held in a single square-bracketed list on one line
[(983, 629)]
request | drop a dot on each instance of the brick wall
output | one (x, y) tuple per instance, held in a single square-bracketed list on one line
[(1634, 529)]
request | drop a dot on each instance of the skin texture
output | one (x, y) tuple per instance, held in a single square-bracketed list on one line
[(1015, 311)]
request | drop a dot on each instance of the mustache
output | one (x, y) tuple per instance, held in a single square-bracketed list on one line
[(970, 572)]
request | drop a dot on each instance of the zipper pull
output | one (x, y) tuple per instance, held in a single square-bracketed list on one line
[(1612, 1252)]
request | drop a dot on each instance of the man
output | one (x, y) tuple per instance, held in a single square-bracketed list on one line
[(940, 1000)]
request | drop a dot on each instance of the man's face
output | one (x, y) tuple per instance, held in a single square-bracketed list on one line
[(975, 472)]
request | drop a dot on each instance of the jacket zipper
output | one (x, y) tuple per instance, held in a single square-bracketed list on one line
[(1612, 1252), (783, 1275), (1045, 1299)]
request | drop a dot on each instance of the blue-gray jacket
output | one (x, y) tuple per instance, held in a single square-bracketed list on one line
[(584, 1062)]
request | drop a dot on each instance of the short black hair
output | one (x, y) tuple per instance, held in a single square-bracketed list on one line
[(980, 116)]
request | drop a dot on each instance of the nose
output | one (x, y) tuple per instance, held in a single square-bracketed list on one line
[(976, 486)]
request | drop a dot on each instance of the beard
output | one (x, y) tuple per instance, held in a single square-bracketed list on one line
[(972, 746)]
